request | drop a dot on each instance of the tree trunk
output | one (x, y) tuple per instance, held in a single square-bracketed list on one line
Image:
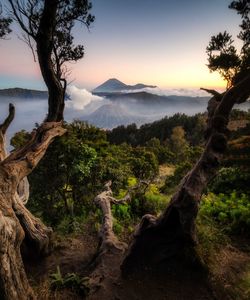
[(173, 234), (37, 235), (37, 242), (13, 280), (16, 222), (44, 40)]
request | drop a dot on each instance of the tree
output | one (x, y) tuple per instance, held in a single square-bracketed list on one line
[(222, 54), (4, 24), (172, 235), (178, 143), (47, 27), (54, 46)]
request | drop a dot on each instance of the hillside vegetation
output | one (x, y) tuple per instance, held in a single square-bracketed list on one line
[(85, 158)]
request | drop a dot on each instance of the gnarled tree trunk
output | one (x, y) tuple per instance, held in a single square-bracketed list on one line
[(110, 250), (37, 235), (173, 233), (15, 220)]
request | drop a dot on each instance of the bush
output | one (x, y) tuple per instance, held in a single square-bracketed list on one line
[(121, 212), (155, 203), (232, 211), (230, 179)]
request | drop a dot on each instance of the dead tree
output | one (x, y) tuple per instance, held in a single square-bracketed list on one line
[(110, 250), (173, 233), (36, 233), (158, 240), (42, 22), (16, 222)]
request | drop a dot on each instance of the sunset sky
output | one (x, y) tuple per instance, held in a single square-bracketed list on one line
[(157, 42)]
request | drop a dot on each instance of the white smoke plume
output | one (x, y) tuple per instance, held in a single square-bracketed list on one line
[(80, 98)]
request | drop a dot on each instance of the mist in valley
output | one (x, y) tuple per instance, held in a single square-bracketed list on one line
[(140, 106)]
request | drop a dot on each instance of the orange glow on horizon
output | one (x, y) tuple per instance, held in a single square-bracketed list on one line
[(194, 78)]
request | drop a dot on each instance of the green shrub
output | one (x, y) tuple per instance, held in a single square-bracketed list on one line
[(121, 212), (155, 203), (231, 211), (230, 179)]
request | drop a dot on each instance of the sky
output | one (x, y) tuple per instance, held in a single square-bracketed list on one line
[(157, 42)]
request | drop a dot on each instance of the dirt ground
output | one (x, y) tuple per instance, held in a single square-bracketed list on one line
[(176, 281)]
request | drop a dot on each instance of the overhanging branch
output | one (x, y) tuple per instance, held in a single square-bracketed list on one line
[(4, 126)]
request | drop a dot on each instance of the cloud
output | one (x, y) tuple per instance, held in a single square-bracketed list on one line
[(80, 98), (172, 92)]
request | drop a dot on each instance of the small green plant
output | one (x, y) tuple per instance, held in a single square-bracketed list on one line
[(56, 279), (71, 280)]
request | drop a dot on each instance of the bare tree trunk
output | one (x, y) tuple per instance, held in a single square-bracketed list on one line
[(173, 234), (16, 222), (37, 235), (110, 251), (13, 280), (37, 242)]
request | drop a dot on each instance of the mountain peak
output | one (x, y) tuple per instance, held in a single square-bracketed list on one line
[(114, 85), (114, 80)]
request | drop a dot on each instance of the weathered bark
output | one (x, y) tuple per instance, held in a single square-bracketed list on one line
[(16, 222), (13, 280), (111, 250), (173, 233), (37, 235), (3, 128), (23, 190), (37, 241)]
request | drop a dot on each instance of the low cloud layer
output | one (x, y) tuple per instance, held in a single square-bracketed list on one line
[(171, 92)]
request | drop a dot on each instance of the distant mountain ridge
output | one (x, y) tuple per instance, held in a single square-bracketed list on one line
[(146, 98), (23, 93), (115, 85)]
